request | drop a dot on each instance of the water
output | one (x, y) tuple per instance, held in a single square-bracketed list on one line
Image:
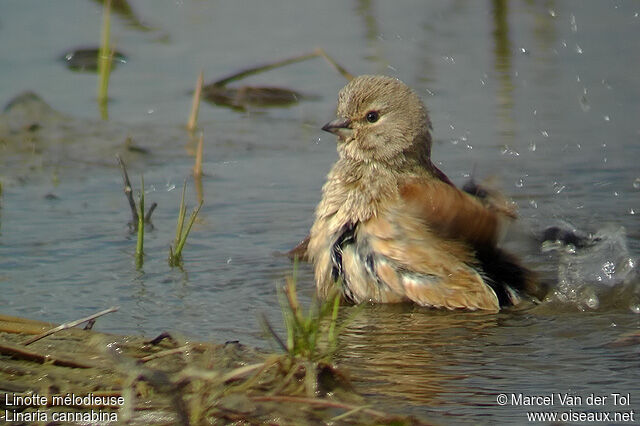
[(542, 97)]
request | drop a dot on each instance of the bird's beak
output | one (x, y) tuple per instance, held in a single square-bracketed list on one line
[(340, 126)]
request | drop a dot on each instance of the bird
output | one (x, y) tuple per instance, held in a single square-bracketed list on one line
[(392, 228)]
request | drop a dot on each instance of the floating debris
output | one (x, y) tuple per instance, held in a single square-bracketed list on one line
[(242, 97), (262, 96), (86, 59)]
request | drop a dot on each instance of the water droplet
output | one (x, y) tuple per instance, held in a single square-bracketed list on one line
[(578, 49), (552, 13), (636, 183), (524, 51), (574, 25), (469, 147), (609, 268), (558, 188), (520, 183), (632, 211), (506, 150), (607, 118), (584, 103), (635, 308), (544, 133), (593, 302)]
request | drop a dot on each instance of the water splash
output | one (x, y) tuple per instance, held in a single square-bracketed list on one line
[(574, 25), (595, 267)]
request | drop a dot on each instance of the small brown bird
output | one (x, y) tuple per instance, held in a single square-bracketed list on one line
[(391, 227)]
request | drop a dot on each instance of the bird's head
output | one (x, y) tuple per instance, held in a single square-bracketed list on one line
[(379, 119)]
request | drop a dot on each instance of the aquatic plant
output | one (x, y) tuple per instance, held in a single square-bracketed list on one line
[(195, 104), (128, 191), (105, 57), (140, 241), (175, 251), (312, 339), (310, 335), (197, 165)]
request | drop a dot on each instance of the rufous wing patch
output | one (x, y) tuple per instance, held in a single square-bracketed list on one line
[(421, 266), (450, 212)]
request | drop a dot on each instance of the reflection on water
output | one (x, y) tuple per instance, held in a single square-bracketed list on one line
[(125, 11), (503, 50), (449, 365), (404, 352)]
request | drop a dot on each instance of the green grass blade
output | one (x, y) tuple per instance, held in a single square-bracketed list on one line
[(182, 211), (140, 242), (183, 240), (105, 56)]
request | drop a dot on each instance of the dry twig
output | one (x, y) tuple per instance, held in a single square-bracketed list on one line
[(69, 325)]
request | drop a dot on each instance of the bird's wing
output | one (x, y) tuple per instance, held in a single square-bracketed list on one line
[(452, 213), (299, 252), (424, 246), (408, 259)]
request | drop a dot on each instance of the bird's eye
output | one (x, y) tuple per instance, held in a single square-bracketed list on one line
[(372, 116)]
